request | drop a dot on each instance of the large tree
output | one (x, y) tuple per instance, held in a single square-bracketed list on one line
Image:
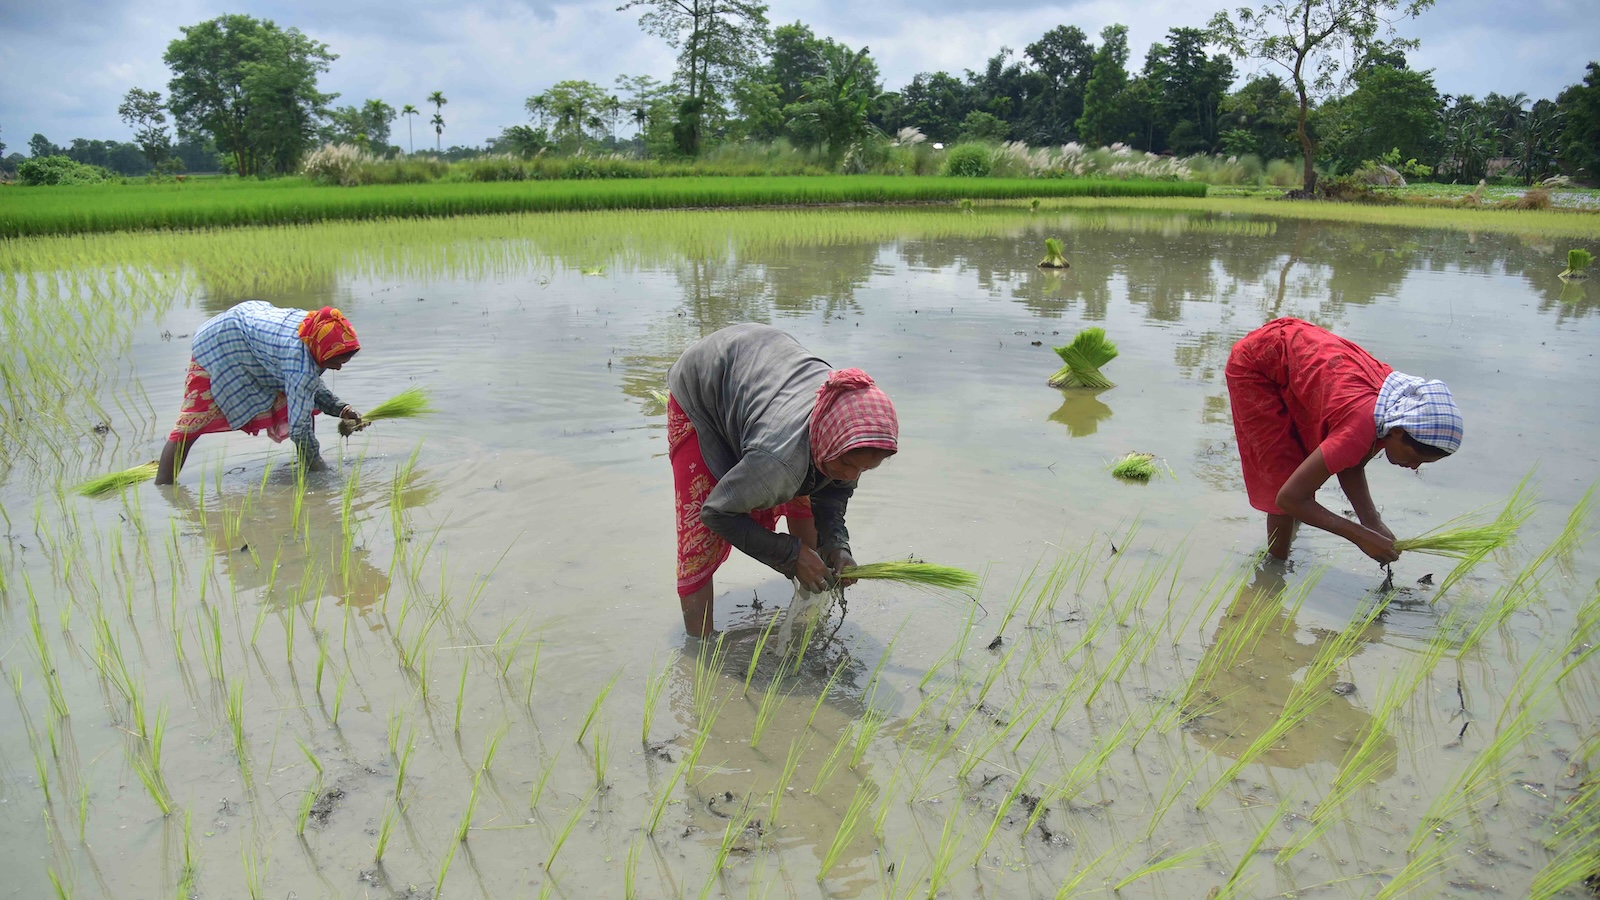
[(1580, 133), (716, 40), (1309, 39), (252, 87), (1187, 88), (1390, 109), (144, 111), (1259, 118), (1064, 59), (835, 107), (575, 112), (1104, 116)]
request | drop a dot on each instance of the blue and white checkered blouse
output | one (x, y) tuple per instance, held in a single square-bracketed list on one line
[(252, 353)]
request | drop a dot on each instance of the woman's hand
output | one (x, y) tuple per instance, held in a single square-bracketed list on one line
[(349, 412), (1382, 529), (838, 559), (812, 572), (1377, 545)]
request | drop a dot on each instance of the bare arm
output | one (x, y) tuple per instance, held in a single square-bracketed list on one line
[(1298, 498), (1354, 484)]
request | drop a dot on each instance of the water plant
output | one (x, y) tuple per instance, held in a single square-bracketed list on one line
[(1082, 359), (1578, 261), (912, 572), (849, 823), (115, 481), (1054, 253), (1135, 467), (412, 402)]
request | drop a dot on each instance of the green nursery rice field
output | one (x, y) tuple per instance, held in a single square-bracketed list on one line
[(453, 665), (219, 203)]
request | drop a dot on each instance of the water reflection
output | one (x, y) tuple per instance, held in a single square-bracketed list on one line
[(260, 545), (1081, 410), (1249, 669)]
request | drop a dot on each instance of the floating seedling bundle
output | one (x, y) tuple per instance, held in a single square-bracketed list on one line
[(918, 574), (1054, 255), (409, 403), (1135, 467), (1578, 260), (116, 481), (1083, 357)]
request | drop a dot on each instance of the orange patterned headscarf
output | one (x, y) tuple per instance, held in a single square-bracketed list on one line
[(327, 333)]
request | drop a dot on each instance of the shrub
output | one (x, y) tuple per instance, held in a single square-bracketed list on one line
[(51, 170), (337, 164), (968, 161)]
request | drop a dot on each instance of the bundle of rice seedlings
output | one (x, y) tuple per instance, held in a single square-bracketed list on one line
[(116, 481), (965, 204), (1053, 255), (1578, 260), (918, 574), (409, 403), (1135, 467), (1083, 357), (1468, 536), (1033, 205)]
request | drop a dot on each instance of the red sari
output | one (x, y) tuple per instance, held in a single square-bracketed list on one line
[(702, 551), (1295, 387)]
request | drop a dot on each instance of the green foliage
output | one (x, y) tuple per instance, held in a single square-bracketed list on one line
[(835, 109), (290, 201), (1054, 253), (1579, 107), (968, 161), (1390, 110), (146, 114), (252, 87), (1083, 358), (1101, 120), (57, 170), (1578, 261), (1311, 39), (1187, 89), (928, 575), (575, 113), (984, 127), (1135, 467), (1259, 119)]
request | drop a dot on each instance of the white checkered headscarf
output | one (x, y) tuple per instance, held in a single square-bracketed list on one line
[(1422, 407)]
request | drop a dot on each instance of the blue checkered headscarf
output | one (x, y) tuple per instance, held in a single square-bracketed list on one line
[(1423, 408)]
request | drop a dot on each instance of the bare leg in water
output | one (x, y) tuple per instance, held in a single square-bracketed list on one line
[(699, 608), (1280, 534)]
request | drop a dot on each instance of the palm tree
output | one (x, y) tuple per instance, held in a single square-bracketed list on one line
[(438, 101), (409, 110)]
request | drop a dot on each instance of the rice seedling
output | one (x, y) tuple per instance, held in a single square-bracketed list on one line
[(831, 762), (601, 750), (338, 699), (1004, 806), (849, 823), (916, 574), (255, 870), (1236, 880), (386, 828), (866, 730), (707, 675), (652, 696), (1082, 360), (653, 819), (1469, 536), (1135, 467), (537, 793), (1054, 254), (566, 830), (781, 788), (630, 868), (444, 869), (461, 691), (113, 482), (755, 654), (594, 708), (1422, 867), (402, 762), (412, 402), (1578, 261), (308, 798), (1163, 862), (766, 712), (730, 838), (472, 807), (944, 856)]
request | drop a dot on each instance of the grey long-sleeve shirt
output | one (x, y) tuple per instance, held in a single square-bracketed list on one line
[(749, 390)]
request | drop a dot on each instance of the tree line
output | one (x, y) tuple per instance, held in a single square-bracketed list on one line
[(1334, 91)]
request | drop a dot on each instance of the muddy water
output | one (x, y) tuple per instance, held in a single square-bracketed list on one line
[(486, 593)]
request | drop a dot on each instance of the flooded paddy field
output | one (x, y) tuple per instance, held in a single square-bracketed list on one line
[(454, 665)]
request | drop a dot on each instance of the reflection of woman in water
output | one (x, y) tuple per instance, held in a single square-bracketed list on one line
[(759, 428), (1249, 672), (259, 368), (1307, 405)]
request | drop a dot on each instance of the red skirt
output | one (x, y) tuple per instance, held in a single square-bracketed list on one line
[(200, 413), (1270, 447), (700, 550)]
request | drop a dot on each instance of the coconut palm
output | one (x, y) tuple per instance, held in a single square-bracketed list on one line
[(409, 110), (438, 101)]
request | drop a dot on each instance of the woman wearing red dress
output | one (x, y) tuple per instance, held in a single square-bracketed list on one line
[(1307, 405)]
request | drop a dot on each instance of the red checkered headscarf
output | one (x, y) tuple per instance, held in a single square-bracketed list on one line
[(851, 413), (327, 333)]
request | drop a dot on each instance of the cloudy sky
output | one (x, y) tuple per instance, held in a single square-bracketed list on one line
[(64, 64)]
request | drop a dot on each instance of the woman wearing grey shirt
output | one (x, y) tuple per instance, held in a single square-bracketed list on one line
[(759, 428)]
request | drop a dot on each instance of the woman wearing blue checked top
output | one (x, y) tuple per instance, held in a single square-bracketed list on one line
[(257, 368)]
